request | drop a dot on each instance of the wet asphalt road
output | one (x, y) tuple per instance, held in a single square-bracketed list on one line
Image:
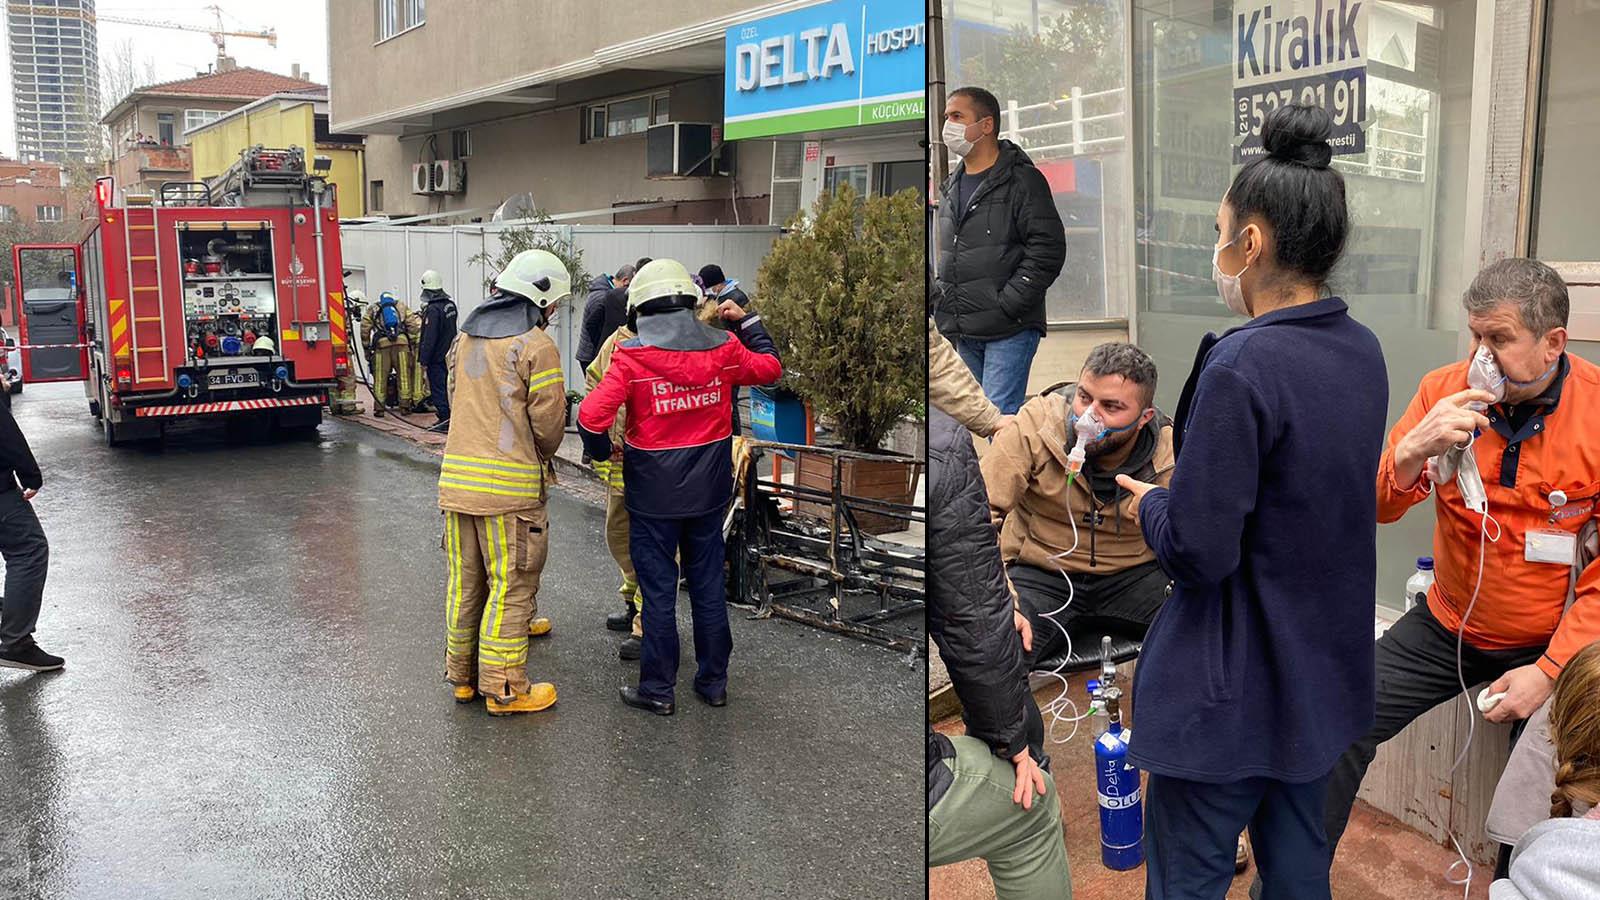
[(253, 705)]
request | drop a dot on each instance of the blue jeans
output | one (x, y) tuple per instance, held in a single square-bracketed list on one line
[(1002, 367), (1191, 833)]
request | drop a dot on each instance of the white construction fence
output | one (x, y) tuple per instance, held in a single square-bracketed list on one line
[(393, 257)]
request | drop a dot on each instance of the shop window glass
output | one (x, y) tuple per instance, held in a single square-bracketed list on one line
[(1566, 192), (1058, 70), (1403, 272)]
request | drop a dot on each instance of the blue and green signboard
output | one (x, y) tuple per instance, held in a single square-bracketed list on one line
[(834, 65)]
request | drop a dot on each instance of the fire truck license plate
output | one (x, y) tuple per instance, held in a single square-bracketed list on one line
[(234, 378)]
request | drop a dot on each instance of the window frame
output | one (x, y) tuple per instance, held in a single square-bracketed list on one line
[(172, 124), (393, 18), (39, 213), (211, 116), (375, 195), (653, 99)]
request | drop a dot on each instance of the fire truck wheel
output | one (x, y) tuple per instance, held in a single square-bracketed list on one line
[(113, 439)]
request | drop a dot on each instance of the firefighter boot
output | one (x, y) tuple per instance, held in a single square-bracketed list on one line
[(623, 621), (630, 648), (465, 693), (539, 696), (538, 627)]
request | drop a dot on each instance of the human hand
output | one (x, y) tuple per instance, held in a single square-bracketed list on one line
[(29, 494), (1029, 779), (1525, 688), (1020, 622), (1137, 488), (1449, 424), (730, 310), (1002, 423)]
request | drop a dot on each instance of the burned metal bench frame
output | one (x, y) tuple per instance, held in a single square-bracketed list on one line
[(833, 557)]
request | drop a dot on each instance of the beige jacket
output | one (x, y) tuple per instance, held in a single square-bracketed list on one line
[(508, 413), (953, 390), (610, 471), (1025, 472)]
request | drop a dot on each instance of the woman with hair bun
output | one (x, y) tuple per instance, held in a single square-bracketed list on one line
[(1257, 673)]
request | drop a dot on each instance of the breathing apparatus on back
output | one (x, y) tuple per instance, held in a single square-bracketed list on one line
[(389, 314)]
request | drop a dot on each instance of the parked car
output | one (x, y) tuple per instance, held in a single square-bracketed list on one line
[(10, 360)]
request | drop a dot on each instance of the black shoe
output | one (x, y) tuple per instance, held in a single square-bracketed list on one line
[(712, 699), (442, 426), (631, 697), (622, 621), (630, 648), (30, 657)]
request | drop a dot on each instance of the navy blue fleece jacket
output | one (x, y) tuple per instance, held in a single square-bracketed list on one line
[(1261, 662)]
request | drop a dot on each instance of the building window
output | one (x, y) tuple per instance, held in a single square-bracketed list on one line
[(8, 213), (375, 198), (619, 118), (835, 177), (460, 144), (166, 127), (396, 16), (194, 118), (49, 213), (788, 168)]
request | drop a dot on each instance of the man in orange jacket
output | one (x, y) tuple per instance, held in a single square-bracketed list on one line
[(1538, 452)]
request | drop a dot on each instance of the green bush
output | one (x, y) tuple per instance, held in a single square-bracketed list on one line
[(842, 294)]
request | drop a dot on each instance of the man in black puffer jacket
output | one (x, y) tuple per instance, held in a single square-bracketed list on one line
[(972, 620), (1001, 246)]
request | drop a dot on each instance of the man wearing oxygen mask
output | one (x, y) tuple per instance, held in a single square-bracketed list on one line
[(1069, 534), (1528, 410)]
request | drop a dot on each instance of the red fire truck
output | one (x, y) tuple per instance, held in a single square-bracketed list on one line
[(211, 299)]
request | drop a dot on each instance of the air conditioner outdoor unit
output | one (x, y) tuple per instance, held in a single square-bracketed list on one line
[(450, 176), (421, 178), (687, 150)]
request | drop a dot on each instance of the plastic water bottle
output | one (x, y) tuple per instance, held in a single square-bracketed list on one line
[(1420, 581)]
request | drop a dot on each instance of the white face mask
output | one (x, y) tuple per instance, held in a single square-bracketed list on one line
[(1228, 285), (955, 137)]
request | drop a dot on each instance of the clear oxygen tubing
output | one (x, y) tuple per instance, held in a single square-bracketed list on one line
[(1062, 709)]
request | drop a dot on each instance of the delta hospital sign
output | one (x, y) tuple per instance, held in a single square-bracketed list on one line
[(835, 65)]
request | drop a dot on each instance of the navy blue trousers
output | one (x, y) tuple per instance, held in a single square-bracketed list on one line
[(1191, 832), (439, 388), (656, 545)]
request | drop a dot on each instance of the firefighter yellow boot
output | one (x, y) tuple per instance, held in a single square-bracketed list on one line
[(539, 696), (538, 627), (465, 693)]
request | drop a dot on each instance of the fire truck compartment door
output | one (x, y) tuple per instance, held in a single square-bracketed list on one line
[(50, 282)]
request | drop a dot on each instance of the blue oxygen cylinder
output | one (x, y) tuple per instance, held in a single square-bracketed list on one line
[(1116, 779)]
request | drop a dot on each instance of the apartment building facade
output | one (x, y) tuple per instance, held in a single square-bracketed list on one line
[(55, 79)]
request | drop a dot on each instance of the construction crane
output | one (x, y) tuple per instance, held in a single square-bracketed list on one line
[(219, 34)]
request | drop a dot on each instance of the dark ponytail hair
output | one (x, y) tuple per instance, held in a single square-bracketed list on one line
[(1295, 190)]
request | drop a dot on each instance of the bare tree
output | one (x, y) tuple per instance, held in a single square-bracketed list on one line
[(123, 71)]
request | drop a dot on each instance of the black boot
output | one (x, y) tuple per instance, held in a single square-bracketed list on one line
[(29, 656), (630, 648), (631, 697), (622, 621)]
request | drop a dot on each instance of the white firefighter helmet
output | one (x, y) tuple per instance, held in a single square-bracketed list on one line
[(356, 295), (265, 345), (537, 275), (660, 278), (431, 281)]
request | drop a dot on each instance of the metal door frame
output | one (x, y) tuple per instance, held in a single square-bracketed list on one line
[(80, 304)]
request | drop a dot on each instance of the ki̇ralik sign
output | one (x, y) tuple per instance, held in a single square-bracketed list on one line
[(1310, 52), (836, 65)]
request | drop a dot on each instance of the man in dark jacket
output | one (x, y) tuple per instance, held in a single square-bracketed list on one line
[(438, 332), (22, 544), (1001, 246), (972, 620), (719, 289), (590, 340)]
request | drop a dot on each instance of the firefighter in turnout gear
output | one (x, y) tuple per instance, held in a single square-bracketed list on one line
[(508, 415), (343, 402), (386, 335), (610, 471), (675, 379)]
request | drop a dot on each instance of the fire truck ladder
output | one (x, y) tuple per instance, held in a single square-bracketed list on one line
[(147, 303)]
